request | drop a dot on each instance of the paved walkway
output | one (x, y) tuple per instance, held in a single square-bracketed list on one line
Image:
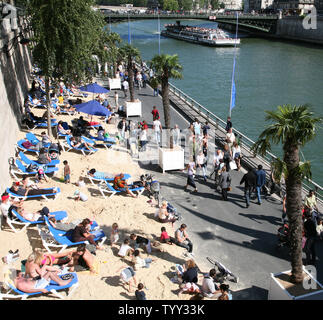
[(244, 240)]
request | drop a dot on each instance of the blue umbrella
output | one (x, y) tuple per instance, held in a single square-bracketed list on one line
[(95, 88), (94, 108)]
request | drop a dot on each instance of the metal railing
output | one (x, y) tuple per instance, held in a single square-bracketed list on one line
[(245, 142)]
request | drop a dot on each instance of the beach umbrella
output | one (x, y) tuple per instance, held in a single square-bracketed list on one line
[(94, 108), (95, 88)]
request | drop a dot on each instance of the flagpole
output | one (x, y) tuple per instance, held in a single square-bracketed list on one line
[(129, 34), (158, 32), (234, 66)]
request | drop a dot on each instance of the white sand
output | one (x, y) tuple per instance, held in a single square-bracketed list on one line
[(132, 215)]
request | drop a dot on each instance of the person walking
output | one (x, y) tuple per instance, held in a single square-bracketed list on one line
[(310, 234), (225, 182), (261, 180), (158, 130), (116, 100), (190, 175), (229, 124), (201, 163), (155, 113), (125, 86), (250, 181)]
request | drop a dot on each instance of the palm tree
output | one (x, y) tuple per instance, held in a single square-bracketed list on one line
[(293, 126), (130, 54), (165, 67)]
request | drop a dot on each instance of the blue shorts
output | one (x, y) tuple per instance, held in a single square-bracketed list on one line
[(67, 177)]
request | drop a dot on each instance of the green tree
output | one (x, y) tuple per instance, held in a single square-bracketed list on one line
[(166, 67), (171, 5), (130, 54), (293, 127), (65, 32), (187, 5), (215, 4), (222, 5)]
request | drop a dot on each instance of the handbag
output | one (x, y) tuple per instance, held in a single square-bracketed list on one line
[(233, 165)]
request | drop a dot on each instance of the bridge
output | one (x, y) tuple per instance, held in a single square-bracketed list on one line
[(247, 22)]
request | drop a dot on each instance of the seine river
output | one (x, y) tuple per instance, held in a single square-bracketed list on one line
[(268, 73)]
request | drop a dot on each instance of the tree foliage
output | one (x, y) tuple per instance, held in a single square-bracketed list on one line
[(293, 127)]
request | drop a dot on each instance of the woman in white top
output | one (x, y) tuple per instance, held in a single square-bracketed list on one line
[(236, 154), (143, 139), (201, 163)]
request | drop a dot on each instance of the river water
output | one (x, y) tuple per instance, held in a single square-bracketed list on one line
[(268, 73)]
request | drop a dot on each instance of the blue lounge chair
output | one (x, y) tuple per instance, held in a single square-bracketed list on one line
[(27, 161), (32, 138), (44, 196), (22, 148), (53, 287), (107, 142), (43, 124), (83, 150), (32, 105), (101, 177), (20, 169), (60, 239), (21, 221), (111, 191)]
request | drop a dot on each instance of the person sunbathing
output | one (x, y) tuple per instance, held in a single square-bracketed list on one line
[(79, 144), (19, 190), (35, 270), (50, 259), (61, 129), (30, 285), (82, 259), (120, 183)]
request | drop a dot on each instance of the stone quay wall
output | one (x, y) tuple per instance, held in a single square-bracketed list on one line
[(15, 69)]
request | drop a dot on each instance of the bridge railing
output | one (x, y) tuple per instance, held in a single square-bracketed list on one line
[(245, 141)]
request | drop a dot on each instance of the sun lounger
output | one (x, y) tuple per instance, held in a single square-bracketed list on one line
[(83, 150), (107, 142), (111, 191), (101, 177), (32, 138), (44, 196), (53, 287), (21, 221), (58, 239), (42, 103), (20, 169), (24, 149), (43, 124), (27, 161)]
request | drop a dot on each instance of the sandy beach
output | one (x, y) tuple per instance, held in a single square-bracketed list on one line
[(132, 216)]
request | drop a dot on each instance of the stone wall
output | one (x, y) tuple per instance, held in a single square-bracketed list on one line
[(14, 84), (292, 28)]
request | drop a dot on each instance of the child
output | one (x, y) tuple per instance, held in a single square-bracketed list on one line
[(79, 196), (114, 237), (164, 237), (40, 176), (125, 249), (81, 182), (140, 294), (67, 172)]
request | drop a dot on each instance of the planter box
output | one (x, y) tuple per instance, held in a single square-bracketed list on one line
[(282, 289), (114, 83), (171, 159), (133, 108)]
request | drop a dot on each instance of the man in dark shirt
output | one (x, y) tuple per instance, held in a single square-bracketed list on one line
[(141, 241), (205, 129), (261, 180), (229, 124), (249, 180), (310, 234)]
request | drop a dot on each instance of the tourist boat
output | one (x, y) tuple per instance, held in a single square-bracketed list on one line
[(206, 36)]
